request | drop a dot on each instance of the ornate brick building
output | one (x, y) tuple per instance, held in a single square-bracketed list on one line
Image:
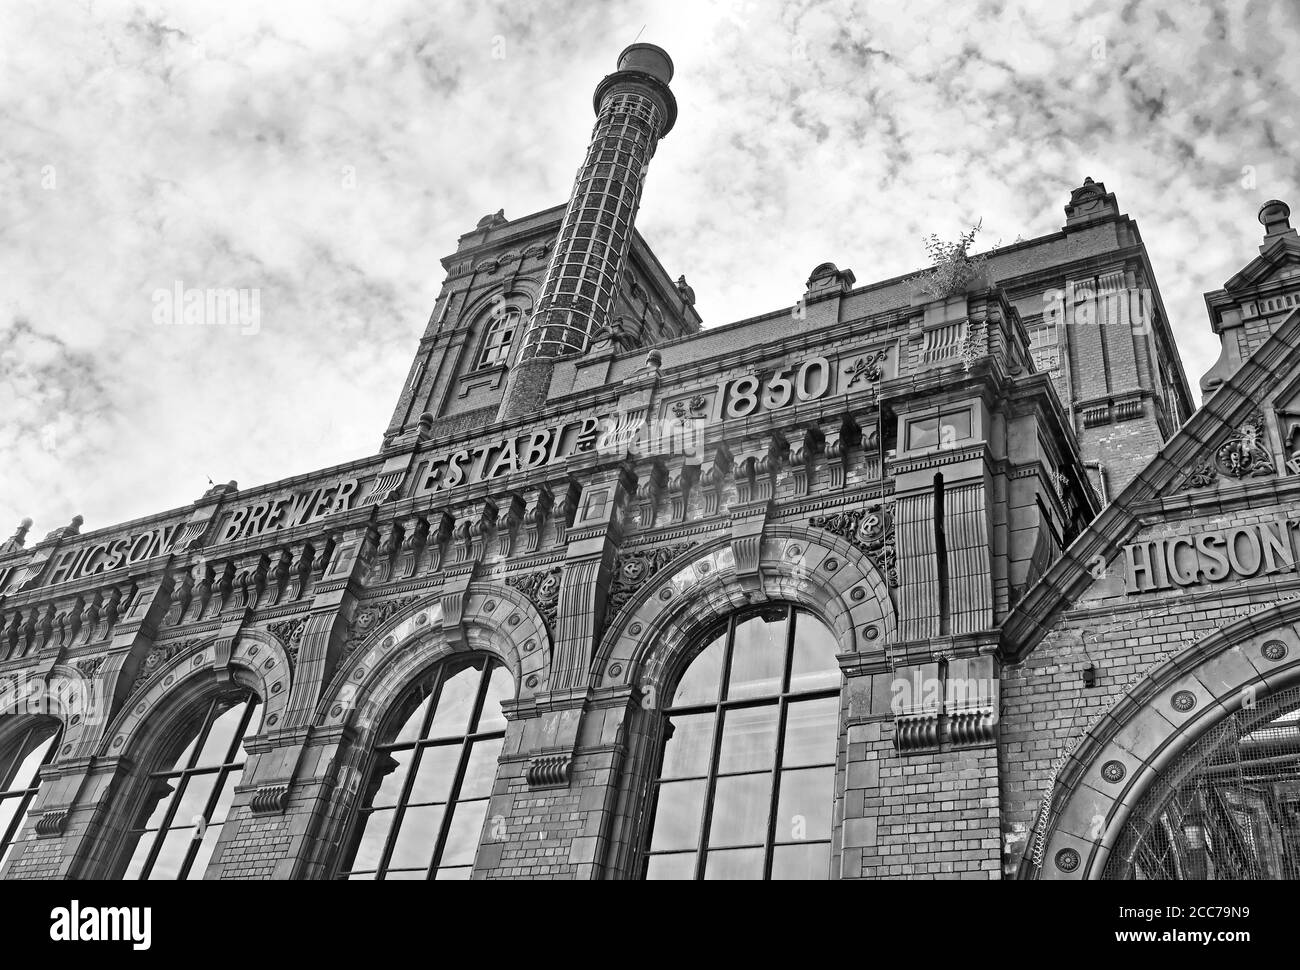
[(939, 576)]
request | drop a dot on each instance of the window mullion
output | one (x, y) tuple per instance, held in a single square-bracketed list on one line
[(719, 726)]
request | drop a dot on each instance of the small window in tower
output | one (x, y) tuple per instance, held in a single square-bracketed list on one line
[(500, 337), (1044, 347)]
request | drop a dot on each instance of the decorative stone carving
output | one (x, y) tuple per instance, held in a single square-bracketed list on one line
[(916, 732), (158, 658), (1243, 455), (868, 368), (871, 529), (543, 589), (370, 617), (632, 570), (549, 771), (269, 800), (91, 666), (289, 633)]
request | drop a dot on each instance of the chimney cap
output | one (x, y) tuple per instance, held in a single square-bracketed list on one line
[(648, 59), (1275, 216)]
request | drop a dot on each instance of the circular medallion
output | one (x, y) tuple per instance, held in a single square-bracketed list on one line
[(359, 673), (871, 633), (272, 720), (1067, 860), (632, 571), (1273, 650), (67, 749), (514, 619), (489, 606), (422, 619), (832, 564), (1183, 701), (858, 594), (550, 587), (615, 670), (666, 593), (252, 651), (336, 710), (76, 719), (388, 643), (531, 682), (705, 567), (1113, 771), (198, 661), (167, 681), (794, 553), (269, 664), (634, 629), (530, 646), (119, 741), (277, 687), (139, 708)]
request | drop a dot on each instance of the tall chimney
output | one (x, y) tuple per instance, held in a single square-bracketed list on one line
[(634, 109)]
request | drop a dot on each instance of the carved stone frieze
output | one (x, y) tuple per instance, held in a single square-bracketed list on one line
[(543, 589), (871, 529)]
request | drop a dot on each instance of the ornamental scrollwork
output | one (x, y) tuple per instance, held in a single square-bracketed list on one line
[(871, 529), (370, 618), (869, 368), (289, 633), (158, 657), (1243, 455), (543, 589), (632, 570)]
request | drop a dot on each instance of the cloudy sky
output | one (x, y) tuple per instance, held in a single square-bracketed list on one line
[(328, 154)]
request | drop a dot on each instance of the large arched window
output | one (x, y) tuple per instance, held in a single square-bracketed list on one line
[(503, 328), (20, 770), (190, 791), (746, 783), (427, 795)]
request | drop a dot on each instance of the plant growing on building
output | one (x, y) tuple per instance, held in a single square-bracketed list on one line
[(954, 268)]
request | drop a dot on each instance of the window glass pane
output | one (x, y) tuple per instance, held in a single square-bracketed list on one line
[(434, 776), (407, 874), (193, 801), (699, 685), (456, 701), (678, 865), (805, 805), (394, 765), (216, 746), (481, 770), (204, 855), (413, 726), (370, 842), (500, 688), (810, 861), (813, 666), (758, 657), (462, 835), (748, 739), (182, 760), (417, 837), (456, 872), (29, 767), (226, 797), (138, 857), (740, 809), (734, 864), (163, 791), (176, 843), (8, 809), (690, 743), (811, 731), (954, 426), (677, 815), (250, 730), (923, 433)]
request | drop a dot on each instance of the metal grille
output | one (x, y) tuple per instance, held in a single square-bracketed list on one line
[(1226, 809)]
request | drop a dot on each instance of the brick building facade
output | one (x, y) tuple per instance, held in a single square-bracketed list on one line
[(940, 576)]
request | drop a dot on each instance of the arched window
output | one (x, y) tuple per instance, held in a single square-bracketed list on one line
[(427, 794), (20, 779), (746, 783), (503, 328), (191, 790)]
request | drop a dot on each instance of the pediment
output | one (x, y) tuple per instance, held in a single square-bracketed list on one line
[(1278, 260)]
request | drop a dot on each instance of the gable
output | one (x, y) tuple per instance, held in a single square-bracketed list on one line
[(1233, 468)]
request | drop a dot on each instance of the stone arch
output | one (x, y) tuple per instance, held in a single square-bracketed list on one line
[(65, 694), (257, 661), (1122, 755), (496, 619), (807, 567)]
